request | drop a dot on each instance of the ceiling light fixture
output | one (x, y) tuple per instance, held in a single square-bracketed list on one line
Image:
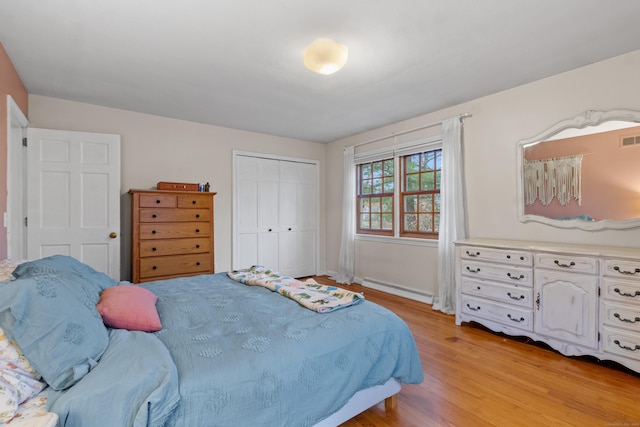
[(325, 56)]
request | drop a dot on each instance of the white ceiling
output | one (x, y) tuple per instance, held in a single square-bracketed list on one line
[(238, 63)]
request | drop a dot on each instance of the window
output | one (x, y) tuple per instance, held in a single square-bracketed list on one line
[(420, 197), (375, 193), (410, 208)]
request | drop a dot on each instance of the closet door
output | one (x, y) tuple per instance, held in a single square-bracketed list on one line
[(298, 221), (275, 215)]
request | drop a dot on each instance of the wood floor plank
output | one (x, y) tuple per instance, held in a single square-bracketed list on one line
[(477, 378)]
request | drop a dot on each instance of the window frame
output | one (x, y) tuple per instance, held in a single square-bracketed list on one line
[(360, 179), (396, 152), (437, 178)]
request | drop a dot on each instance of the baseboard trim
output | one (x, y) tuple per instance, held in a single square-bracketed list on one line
[(397, 290)]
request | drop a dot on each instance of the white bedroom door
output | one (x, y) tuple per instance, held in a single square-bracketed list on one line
[(73, 197)]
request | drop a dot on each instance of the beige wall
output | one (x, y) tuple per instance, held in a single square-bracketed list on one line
[(491, 135), (10, 84), (162, 149)]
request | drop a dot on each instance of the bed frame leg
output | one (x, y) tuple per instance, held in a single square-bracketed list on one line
[(391, 403)]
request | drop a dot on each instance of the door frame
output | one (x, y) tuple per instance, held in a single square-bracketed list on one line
[(234, 198), (16, 202)]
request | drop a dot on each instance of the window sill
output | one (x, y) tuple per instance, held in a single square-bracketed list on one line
[(397, 240)]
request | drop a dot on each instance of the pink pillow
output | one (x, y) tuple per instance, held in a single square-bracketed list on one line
[(129, 307)]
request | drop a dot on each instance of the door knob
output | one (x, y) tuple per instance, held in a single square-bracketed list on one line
[(113, 234)]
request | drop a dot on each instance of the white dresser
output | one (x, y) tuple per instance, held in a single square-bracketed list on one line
[(580, 300)]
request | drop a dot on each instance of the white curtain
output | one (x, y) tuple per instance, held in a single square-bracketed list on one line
[(347, 251), (452, 213)]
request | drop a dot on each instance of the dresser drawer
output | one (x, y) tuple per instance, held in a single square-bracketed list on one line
[(158, 200), (193, 201), (174, 247), (501, 255), (624, 291), (572, 263), (174, 265), (622, 269), (520, 296), (512, 275), (620, 315), (505, 314), (174, 215), (622, 343), (173, 231)]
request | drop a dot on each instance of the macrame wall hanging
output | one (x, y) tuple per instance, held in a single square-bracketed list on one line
[(558, 177)]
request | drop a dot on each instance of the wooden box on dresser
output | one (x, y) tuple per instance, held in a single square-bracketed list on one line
[(172, 234), (578, 299)]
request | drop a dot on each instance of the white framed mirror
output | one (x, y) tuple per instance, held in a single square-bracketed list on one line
[(582, 172)]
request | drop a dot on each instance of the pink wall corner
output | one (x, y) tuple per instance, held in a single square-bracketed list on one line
[(10, 84)]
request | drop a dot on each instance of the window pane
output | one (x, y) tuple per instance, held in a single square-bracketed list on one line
[(438, 179), (366, 171), (387, 221), (427, 181), (388, 185), (428, 161), (375, 222), (387, 204), (410, 203), (364, 205), (364, 221), (410, 222), (366, 187), (413, 163), (377, 169), (425, 224), (412, 183), (437, 223), (425, 202), (377, 185), (388, 167), (438, 159), (375, 204), (436, 202)]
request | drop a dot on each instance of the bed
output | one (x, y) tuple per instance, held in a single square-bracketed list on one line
[(198, 351)]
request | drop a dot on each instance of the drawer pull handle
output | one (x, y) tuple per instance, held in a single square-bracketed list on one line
[(197, 215), (193, 202), (624, 347), (289, 228), (154, 249), (513, 319), (477, 270), (472, 308), (478, 288), (269, 230), (198, 263), (197, 230), (538, 302), (154, 268), (158, 201), (473, 254), (630, 273), (154, 216), (519, 297), (624, 294), (153, 231), (197, 246), (515, 277), (559, 264), (617, 316)]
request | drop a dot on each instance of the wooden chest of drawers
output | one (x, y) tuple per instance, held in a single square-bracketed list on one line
[(172, 234)]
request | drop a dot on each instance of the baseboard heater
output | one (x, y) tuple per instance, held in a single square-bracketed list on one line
[(397, 290)]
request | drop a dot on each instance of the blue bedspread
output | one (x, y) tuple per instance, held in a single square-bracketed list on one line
[(246, 356)]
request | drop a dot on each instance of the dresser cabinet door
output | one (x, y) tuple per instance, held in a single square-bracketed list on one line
[(566, 306)]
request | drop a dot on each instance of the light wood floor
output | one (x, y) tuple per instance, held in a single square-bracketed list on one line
[(474, 377)]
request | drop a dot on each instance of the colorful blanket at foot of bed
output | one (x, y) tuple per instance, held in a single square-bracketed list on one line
[(309, 294)]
